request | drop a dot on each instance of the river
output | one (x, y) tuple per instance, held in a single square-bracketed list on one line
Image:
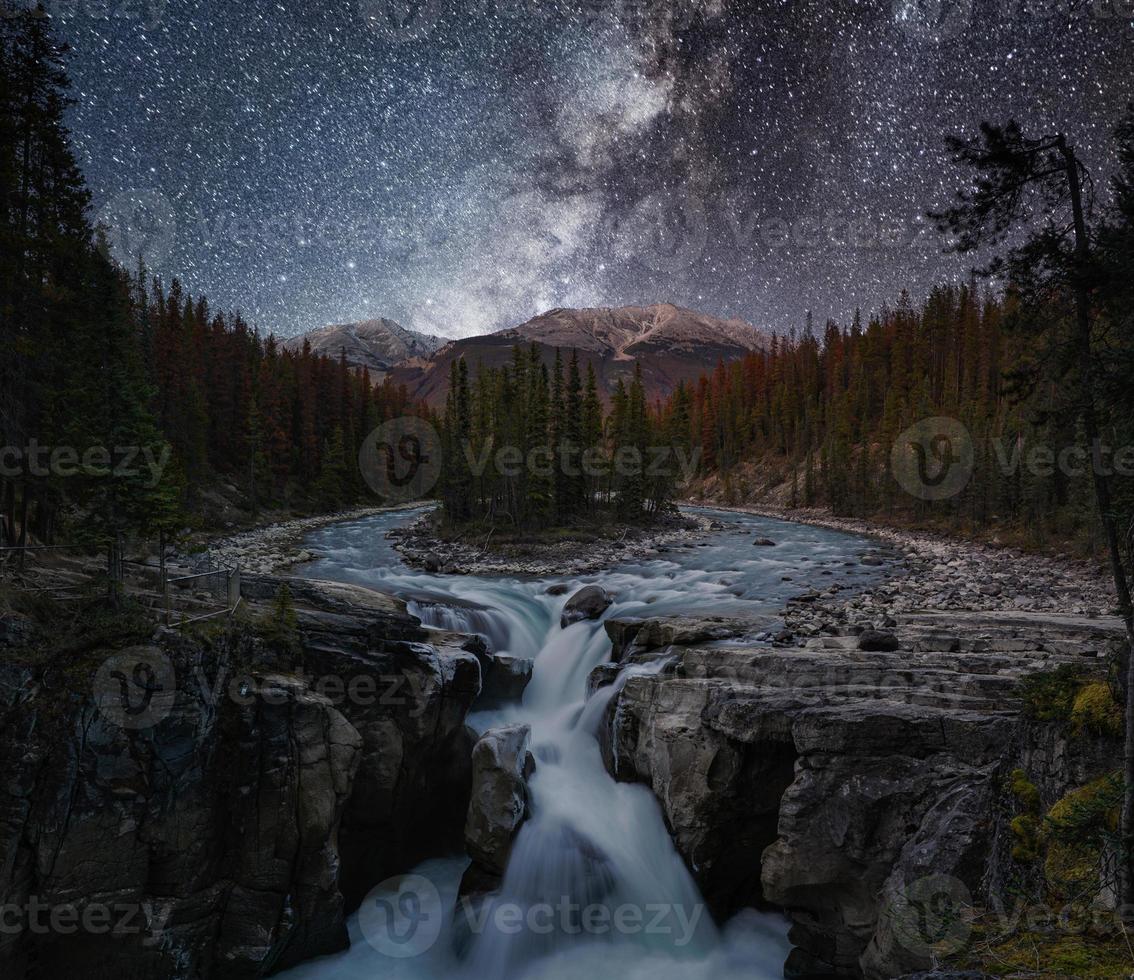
[(594, 887)]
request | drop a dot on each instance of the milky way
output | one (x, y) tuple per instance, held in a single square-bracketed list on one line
[(460, 165)]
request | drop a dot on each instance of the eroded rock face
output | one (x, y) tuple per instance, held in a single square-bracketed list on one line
[(409, 704), (503, 677), (223, 838), (590, 602), (501, 764), (211, 836), (828, 781)]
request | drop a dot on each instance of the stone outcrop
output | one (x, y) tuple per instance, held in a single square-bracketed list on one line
[(230, 835), (503, 677), (501, 765), (631, 638), (590, 602), (828, 780)]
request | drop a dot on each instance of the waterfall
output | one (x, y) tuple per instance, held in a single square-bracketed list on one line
[(593, 849)]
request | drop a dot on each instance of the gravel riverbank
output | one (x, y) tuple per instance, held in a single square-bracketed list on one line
[(959, 582)]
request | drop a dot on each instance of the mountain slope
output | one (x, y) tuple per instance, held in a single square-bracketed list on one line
[(374, 344), (670, 343)]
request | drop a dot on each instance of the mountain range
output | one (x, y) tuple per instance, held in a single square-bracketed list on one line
[(377, 345), (669, 343)]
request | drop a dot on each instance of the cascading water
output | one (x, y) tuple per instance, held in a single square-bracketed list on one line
[(594, 886)]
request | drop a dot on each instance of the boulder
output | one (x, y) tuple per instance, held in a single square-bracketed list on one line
[(501, 764), (505, 680), (764, 543), (877, 640), (590, 602)]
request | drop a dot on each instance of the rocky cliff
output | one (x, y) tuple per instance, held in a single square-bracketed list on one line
[(840, 781), (377, 345), (263, 783)]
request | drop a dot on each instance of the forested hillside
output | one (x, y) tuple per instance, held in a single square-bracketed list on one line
[(814, 420), (126, 405)]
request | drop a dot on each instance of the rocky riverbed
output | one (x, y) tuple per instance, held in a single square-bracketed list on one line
[(931, 572)]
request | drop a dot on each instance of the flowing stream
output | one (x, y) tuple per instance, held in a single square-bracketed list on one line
[(594, 887)]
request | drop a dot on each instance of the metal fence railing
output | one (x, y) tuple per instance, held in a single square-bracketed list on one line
[(224, 583), (221, 582)]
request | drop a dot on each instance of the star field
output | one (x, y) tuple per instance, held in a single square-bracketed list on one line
[(460, 165)]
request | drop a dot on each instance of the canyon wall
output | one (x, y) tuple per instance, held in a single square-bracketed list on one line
[(228, 828)]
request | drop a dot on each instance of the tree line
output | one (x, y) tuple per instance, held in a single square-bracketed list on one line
[(814, 419), (530, 446), (102, 368)]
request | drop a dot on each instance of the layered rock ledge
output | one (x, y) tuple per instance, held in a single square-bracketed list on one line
[(828, 780)]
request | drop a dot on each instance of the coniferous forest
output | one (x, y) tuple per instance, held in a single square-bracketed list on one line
[(129, 406), (101, 356), (813, 420), (532, 448)]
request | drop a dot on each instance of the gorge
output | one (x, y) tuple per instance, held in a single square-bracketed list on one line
[(749, 756)]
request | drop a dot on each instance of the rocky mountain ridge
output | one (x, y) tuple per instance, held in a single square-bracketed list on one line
[(377, 345), (668, 343)]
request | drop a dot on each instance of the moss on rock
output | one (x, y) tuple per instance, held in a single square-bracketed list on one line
[(1096, 712)]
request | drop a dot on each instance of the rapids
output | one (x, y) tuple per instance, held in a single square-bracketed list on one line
[(594, 887)]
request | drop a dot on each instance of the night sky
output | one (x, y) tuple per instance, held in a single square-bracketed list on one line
[(315, 162)]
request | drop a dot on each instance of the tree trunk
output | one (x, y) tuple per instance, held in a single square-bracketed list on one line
[(22, 542), (1106, 513), (9, 516)]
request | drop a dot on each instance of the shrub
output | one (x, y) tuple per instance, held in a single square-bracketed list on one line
[(1076, 829)]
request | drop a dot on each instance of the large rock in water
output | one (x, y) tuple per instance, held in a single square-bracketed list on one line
[(498, 804), (831, 782), (503, 677), (590, 602)]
